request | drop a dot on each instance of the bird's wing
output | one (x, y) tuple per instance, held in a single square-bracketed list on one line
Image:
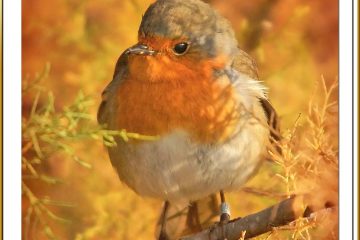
[(245, 64), (120, 70)]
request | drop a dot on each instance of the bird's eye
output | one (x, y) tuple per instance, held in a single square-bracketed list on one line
[(181, 48)]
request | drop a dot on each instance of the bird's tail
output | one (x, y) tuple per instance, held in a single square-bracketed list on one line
[(176, 221)]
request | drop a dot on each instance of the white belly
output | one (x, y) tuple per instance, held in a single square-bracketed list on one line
[(176, 169)]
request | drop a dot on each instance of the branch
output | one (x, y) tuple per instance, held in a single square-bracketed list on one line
[(258, 223)]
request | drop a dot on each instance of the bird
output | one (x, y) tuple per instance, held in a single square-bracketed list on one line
[(187, 83)]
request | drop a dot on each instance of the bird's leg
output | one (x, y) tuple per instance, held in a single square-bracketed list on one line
[(193, 218), (163, 235), (224, 214), (224, 209)]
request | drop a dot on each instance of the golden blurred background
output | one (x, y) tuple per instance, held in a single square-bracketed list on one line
[(77, 42)]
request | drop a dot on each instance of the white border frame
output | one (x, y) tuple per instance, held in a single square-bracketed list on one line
[(12, 120), (345, 131), (356, 121)]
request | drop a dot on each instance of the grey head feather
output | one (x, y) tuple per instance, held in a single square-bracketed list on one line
[(209, 33)]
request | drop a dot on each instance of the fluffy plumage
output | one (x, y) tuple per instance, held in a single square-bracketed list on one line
[(207, 107)]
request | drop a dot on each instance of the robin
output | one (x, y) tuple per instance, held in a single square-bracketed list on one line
[(187, 83)]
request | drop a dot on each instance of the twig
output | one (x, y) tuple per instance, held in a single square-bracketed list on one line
[(256, 224)]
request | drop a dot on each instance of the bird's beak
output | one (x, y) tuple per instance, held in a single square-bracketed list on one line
[(140, 49)]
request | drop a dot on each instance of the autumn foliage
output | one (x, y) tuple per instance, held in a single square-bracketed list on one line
[(70, 48)]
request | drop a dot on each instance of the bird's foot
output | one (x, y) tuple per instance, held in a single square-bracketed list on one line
[(224, 213), (224, 219)]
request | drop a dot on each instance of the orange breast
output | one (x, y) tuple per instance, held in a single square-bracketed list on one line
[(160, 95)]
